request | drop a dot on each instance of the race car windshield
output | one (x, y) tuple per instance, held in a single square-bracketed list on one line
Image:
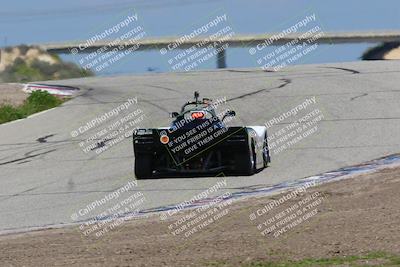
[(193, 106)]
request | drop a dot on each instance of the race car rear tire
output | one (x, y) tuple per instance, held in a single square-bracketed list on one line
[(246, 162), (143, 166)]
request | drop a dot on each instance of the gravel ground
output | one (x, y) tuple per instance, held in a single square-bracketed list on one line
[(12, 94), (350, 217)]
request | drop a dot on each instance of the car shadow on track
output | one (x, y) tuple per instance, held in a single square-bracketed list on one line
[(200, 175)]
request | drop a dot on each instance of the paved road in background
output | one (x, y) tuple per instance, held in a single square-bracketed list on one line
[(45, 177)]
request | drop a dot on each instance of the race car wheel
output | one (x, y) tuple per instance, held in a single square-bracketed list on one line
[(265, 152), (143, 166), (246, 162)]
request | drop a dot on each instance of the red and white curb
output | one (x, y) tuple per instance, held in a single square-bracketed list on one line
[(58, 90)]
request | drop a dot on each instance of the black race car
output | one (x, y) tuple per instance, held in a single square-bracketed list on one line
[(199, 142)]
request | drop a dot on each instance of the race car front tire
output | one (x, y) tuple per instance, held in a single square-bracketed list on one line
[(265, 152), (143, 166)]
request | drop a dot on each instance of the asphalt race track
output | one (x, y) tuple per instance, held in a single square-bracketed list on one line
[(45, 176)]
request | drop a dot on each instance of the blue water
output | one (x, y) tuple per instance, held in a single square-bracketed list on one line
[(44, 21)]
